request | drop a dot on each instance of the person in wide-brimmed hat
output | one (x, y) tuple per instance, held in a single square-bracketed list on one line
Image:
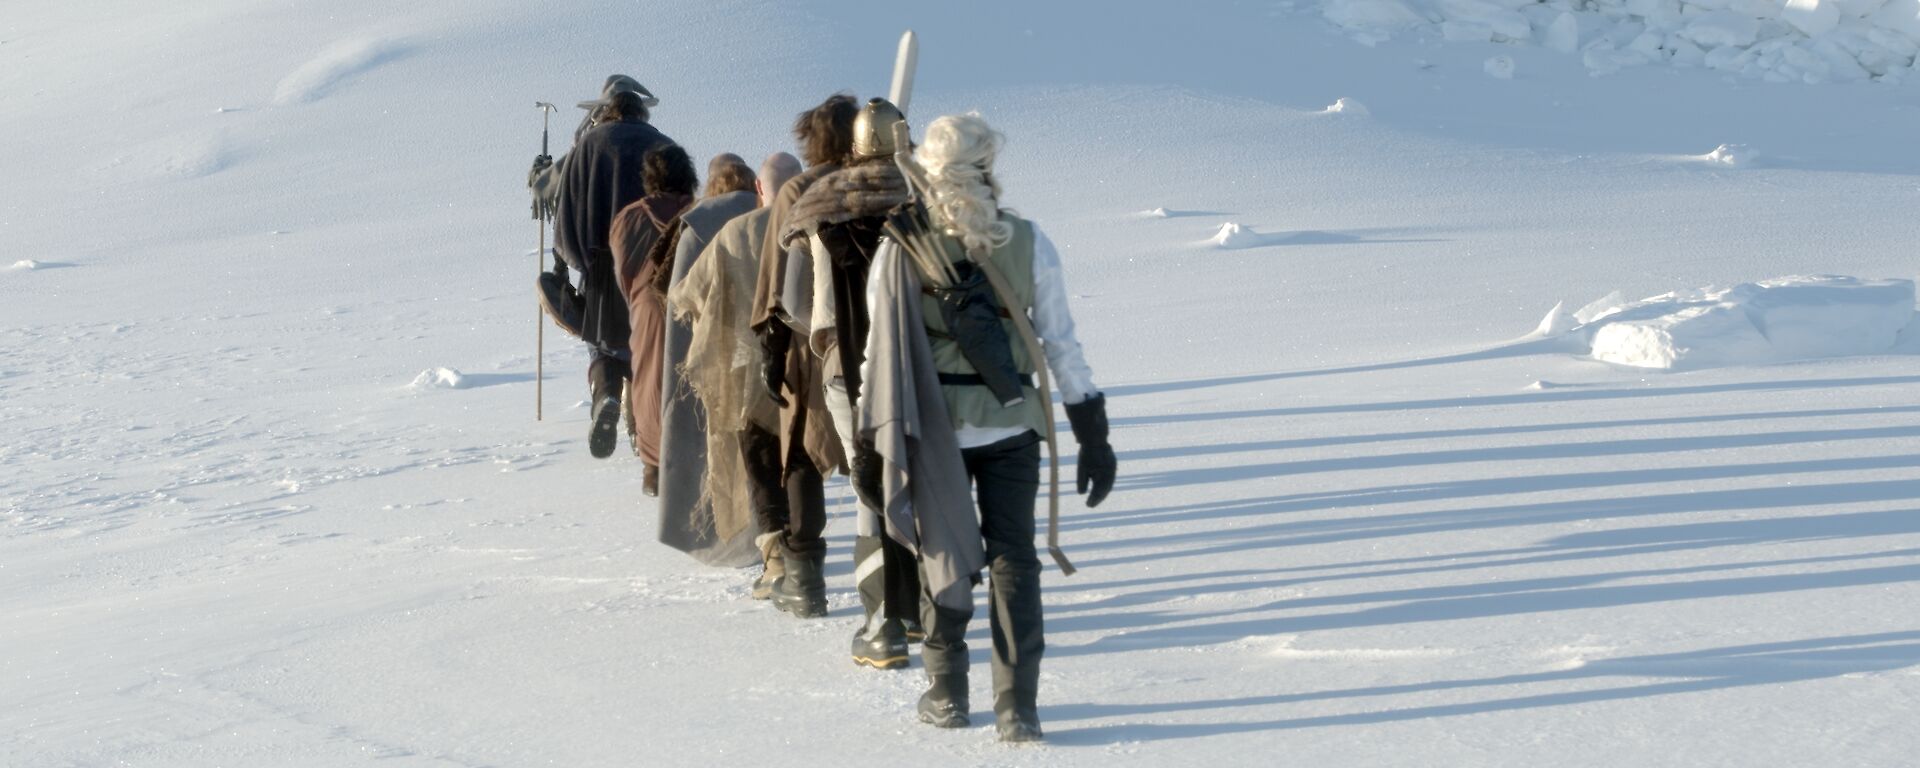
[(602, 175)]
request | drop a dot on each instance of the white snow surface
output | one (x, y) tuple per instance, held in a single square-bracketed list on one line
[(1353, 525)]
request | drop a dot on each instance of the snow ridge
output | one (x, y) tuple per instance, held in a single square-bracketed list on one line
[(1810, 41)]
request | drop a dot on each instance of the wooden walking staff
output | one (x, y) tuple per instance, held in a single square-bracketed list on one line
[(540, 267)]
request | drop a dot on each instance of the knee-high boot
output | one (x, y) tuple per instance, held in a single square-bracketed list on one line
[(1018, 643)]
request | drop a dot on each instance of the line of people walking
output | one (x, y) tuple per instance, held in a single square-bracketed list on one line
[(859, 309)]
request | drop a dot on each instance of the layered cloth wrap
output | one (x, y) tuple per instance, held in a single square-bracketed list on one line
[(715, 529), (640, 230), (805, 425), (723, 367), (927, 498), (839, 219)]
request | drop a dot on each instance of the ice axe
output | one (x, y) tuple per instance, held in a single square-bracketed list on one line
[(540, 267)]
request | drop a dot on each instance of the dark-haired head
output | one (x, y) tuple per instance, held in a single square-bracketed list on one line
[(625, 105), (825, 132), (670, 171)]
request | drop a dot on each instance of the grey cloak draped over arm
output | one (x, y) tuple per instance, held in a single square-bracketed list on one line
[(928, 501)]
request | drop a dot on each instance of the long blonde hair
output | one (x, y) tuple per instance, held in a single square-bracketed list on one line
[(958, 152)]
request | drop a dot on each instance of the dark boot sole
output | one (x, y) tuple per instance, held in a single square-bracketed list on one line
[(949, 720), (605, 434), (883, 662), (803, 609), (1021, 734)]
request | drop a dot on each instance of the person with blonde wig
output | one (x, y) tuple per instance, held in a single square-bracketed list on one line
[(967, 349)]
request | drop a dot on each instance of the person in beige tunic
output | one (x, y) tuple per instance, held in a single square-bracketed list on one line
[(723, 369)]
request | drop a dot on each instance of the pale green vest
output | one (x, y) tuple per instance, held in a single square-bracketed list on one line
[(976, 405)]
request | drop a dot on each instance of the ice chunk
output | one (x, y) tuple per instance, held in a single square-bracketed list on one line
[(1814, 17), (1564, 34), (439, 378), (1558, 322), (1790, 318), (1372, 14), (1601, 307), (1466, 32), (1722, 28), (1233, 235), (1346, 106), (1732, 155)]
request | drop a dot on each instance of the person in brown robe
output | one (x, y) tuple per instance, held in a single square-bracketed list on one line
[(640, 242)]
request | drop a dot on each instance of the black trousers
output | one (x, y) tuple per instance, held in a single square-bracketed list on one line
[(797, 505), (1006, 476)]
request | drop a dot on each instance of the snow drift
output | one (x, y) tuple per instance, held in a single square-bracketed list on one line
[(1788, 318), (1812, 41)]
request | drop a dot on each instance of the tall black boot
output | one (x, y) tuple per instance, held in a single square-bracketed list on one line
[(880, 642), (944, 705), (902, 584), (803, 590), (1018, 643), (607, 376)]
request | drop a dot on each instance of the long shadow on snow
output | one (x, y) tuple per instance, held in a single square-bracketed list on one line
[(1304, 533), (1529, 398), (1583, 546), (1778, 663), (1459, 489), (1479, 601), (1574, 450), (1511, 349), (1175, 452)]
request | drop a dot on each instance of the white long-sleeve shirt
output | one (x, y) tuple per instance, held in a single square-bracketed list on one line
[(1052, 321)]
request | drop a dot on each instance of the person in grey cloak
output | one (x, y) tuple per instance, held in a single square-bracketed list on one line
[(716, 530), (724, 369), (932, 446)]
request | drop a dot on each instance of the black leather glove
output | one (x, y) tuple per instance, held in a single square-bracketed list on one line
[(866, 470), (775, 338), (1097, 465)]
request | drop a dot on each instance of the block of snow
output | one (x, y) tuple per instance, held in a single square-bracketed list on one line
[(1902, 16), (1722, 28), (1233, 235), (1558, 322), (1732, 155), (26, 264), (1372, 14), (1346, 106), (1858, 9), (1501, 67), (1600, 307), (1466, 32), (1790, 318), (1814, 17), (439, 378), (1759, 9), (1564, 34)]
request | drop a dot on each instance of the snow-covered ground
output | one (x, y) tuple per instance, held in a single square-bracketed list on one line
[(271, 491)]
